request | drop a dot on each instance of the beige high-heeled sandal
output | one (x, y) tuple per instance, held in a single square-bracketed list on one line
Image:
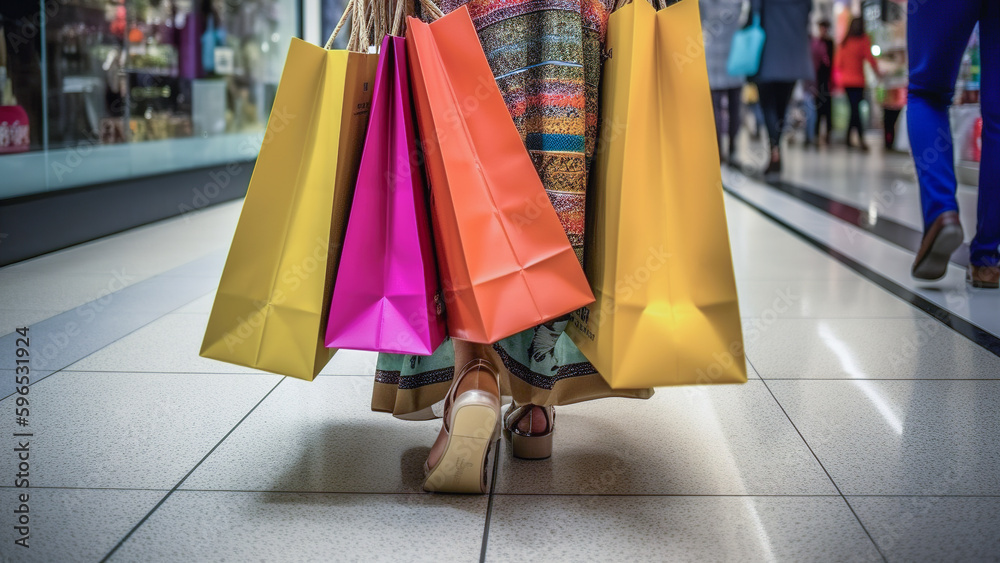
[(528, 445), (471, 425)]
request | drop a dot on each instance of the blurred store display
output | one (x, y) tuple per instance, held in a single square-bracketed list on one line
[(15, 133), (198, 74)]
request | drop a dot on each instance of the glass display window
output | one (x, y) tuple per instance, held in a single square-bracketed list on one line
[(98, 90)]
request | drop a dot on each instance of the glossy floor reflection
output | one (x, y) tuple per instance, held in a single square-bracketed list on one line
[(868, 430)]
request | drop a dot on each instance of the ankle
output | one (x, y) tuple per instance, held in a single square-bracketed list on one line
[(477, 374), (478, 379), (535, 421)]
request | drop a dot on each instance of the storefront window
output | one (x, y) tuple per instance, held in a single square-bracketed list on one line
[(112, 89)]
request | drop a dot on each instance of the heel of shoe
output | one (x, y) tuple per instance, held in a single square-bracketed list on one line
[(531, 447), (474, 426), (934, 266), (524, 444)]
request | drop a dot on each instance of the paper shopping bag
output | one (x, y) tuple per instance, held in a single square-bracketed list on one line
[(657, 248), (271, 307), (505, 262), (386, 296)]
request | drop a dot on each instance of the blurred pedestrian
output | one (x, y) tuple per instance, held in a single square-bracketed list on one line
[(720, 20), (854, 51), (785, 61), (751, 101), (822, 55), (894, 84), (938, 32)]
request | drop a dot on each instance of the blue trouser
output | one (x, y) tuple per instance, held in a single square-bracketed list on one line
[(938, 33)]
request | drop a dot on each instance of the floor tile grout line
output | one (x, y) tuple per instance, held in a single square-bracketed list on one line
[(823, 467), (856, 379), (845, 378), (499, 494), (489, 503), (71, 488), (128, 535)]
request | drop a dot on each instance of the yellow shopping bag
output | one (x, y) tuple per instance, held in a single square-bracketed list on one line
[(657, 249), (271, 308)]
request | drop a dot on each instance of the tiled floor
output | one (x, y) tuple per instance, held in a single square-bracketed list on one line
[(868, 429)]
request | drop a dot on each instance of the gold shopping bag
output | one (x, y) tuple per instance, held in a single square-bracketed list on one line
[(271, 307), (657, 249)]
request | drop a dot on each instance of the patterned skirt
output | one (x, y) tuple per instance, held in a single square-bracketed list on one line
[(546, 59)]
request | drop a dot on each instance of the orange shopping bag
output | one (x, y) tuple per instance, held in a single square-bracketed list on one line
[(504, 259)]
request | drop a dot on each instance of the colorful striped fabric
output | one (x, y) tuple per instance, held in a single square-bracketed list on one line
[(546, 58)]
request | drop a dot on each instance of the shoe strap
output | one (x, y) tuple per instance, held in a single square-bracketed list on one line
[(475, 364), (515, 414)]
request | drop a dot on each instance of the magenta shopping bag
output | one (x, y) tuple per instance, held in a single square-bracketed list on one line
[(386, 297)]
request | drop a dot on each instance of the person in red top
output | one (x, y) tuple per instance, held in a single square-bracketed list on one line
[(854, 51)]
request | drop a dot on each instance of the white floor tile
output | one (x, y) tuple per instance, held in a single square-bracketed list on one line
[(831, 298), (684, 441), (13, 319), (560, 528), (239, 527), (102, 430), (71, 524), (60, 292), (932, 528), (351, 362), (168, 345), (143, 251), (200, 306), (320, 436), (920, 348), (900, 437)]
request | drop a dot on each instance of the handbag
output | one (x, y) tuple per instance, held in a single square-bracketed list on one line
[(747, 49), (506, 264), (386, 295), (270, 310), (657, 246)]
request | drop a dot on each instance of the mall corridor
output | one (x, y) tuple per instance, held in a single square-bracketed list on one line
[(869, 429)]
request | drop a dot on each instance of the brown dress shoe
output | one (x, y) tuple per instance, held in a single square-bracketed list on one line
[(940, 240), (987, 277)]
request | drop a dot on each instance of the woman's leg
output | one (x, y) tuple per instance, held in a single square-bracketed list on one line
[(466, 352), (769, 107), (734, 99), (774, 99), (824, 112), (457, 462), (889, 118), (717, 96), (854, 96), (987, 240)]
